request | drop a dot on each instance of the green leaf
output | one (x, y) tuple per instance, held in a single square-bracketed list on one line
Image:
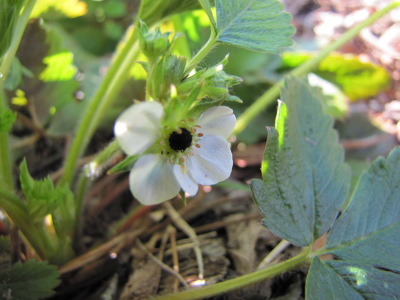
[(9, 12), (342, 280), (305, 181), (125, 165), (31, 280), (7, 119), (41, 195), (368, 230), (259, 25), (357, 79), (59, 9)]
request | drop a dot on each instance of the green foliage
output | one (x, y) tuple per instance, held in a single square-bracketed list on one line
[(54, 9), (356, 78), (365, 238), (305, 181), (9, 12), (259, 25), (31, 280), (7, 119), (41, 195), (43, 198)]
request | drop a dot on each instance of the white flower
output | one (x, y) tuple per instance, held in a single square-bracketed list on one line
[(181, 156)]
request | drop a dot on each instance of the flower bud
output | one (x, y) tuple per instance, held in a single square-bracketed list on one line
[(153, 43)]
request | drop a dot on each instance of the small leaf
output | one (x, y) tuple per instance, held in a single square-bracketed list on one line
[(368, 230), (31, 280), (259, 25), (7, 119), (305, 181), (41, 195)]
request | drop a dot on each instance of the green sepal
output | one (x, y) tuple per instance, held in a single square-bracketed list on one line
[(124, 166), (153, 43)]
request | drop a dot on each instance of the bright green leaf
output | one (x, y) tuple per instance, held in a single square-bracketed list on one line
[(57, 8), (357, 79), (7, 119), (305, 180), (31, 280), (259, 25), (59, 67), (368, 230)]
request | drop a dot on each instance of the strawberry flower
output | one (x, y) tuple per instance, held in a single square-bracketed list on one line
[(177, 154)]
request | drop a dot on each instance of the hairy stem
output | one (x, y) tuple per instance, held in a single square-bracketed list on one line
[(101, 102), (270, 96), (5, 156)]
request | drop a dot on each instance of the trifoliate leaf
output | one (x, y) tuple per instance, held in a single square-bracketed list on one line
[(31, 280), (259, 25), (368, 231), (7, 119), (365, 240), (305, 180)]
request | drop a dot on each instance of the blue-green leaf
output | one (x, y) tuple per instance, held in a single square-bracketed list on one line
[(305, 180), (259, 25), (336, 279), (31, 280), (368, 231)]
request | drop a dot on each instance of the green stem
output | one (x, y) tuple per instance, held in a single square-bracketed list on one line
[(6, 176), (242, 281), (16, 210), (270, 96), (202, 53), (101, 102)]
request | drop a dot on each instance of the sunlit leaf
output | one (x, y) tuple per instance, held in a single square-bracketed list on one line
[(357, 79), (59, 67), (30, 280), (305, 181), (68, 8), (259, 25)]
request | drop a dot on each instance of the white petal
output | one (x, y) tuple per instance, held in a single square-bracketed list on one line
[(212, 162), (152, 180), (217, 120), (138, 127), (185, 181)]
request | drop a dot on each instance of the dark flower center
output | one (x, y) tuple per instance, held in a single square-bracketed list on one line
[(180, 141)]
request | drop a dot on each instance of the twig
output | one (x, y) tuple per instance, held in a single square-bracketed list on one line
[(185, 227), (273, 254), (161, 264)]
